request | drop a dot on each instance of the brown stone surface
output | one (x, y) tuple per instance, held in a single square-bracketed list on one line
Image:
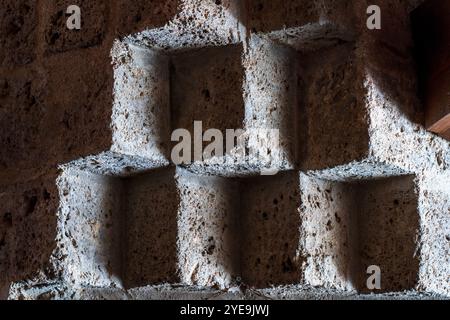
[(18, 35)]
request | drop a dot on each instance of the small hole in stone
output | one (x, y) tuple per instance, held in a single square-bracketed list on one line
[(31, 204), (46, 194), (338, 219), (7, 219), (206, 94), (210, 250)]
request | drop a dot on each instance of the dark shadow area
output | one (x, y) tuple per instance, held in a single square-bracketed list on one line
[(430, 26), (269, 230), (149, 237), (206, 85), (388, 225)]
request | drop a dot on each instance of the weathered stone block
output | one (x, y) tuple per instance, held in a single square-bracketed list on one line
[(388, 227), (89, 229), (118, 232), (207, 226), (140, 119), (327, 233), (347, 227), (271, 99), (331, 97), (434, 209), (78, 104)]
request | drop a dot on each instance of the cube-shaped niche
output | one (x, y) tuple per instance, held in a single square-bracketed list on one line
[(160, 90), (239, 230), (118, 232), (348, 227), (206, 85)]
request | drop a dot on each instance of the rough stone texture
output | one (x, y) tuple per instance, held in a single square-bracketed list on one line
[(215, 97), (328, 231), (362, 181), (77, 104), (22, 113), (58, 291), (140, 119), (388, 226), (267, 16), (58, 38), (271, 97), (89, 229), (347, 227), (130, 222), (136, 16), (28, 227), (330, 94), (434, 206), (150, 248), (207, 230), (269, 224), (198, 24), (18, 32)]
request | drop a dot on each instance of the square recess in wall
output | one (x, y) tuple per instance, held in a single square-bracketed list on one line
[(347, 227), (119, 232), (215, 96)]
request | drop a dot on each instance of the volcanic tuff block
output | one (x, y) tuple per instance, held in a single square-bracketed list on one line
[(360, 181), (130, 222)]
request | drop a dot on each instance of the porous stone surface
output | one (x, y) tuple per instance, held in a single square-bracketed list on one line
[(270, 222), (207, 223), (139, 15), (92, 205), (327, 232), (89, 229), (151, 229), (388, 224), (267, 16), (140, 119), (58, 38), (18, 37), (215, 97), (129, 234)]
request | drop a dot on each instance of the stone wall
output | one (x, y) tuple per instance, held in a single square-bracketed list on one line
[(92, 205)]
